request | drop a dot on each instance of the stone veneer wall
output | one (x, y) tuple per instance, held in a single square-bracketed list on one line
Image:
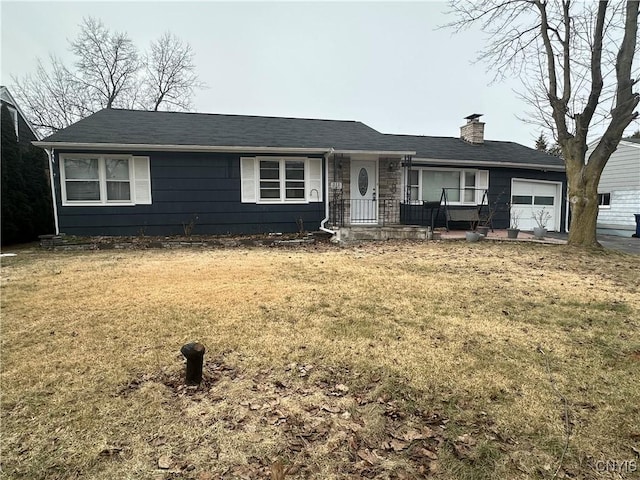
[(389, 186)]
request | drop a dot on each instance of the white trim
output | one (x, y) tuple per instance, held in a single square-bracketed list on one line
[(375, 152), (557, 204), (282, 179), (462, 172), (102, 181), (326, 204), (213, 148), (602, 206), (480, 164), (8, 98), (630, 144), (590, 145), (50, 155), (353, 174), (14, 114), (177, 148)]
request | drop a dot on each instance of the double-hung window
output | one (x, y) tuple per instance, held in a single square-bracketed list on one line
[(105, 180), (281, 180), (461, 186), (604, 200)]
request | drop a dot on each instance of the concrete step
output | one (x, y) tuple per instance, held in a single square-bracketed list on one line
[(355, 233)]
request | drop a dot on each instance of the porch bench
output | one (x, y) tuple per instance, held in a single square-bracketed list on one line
[(468, 214)]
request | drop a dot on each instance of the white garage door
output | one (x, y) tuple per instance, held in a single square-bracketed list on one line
[(529, 198)]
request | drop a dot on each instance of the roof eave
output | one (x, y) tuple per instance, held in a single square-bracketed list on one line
[(211, 148), (476, 163), (374, 152), (177, 148)]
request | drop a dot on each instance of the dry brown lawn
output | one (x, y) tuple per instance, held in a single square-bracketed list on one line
[(394, 360)]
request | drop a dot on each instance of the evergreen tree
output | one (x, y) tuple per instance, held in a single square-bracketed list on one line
[(541, 143), (25, 196), (14, 201), (38, 191)]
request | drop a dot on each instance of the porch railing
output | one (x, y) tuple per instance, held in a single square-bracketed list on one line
[(351, 211)]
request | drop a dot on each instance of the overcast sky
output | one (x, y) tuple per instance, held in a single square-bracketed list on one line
[(385, 64)]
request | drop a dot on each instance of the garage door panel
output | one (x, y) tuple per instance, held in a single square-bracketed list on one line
[(529, 197), (544, 201)]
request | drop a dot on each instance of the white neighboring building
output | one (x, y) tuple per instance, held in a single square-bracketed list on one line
[(619, 190)]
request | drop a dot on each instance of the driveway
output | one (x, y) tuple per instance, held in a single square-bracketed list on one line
[(622, 244), (611, 242)]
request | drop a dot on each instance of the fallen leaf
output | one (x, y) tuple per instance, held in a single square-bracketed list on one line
[(110, 452), (368, 456), (398, 445), (413, 434), (292, 470), (277, 471), (164, 462), (428, 453), (330, 409)]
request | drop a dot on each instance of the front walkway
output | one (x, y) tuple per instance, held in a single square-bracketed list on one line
[(501, 235)]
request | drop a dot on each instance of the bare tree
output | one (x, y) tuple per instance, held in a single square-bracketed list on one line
[(107, 63), (52, 99), (576, 62), (170, 78), (107, 73)]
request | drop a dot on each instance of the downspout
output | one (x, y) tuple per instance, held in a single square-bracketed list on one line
[(50, 154), (326, 196)]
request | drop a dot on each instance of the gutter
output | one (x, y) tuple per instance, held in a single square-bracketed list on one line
[(175, 148), (418, 161), (326, 202), (53, 191)]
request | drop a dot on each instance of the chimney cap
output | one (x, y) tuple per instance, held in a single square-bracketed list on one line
[(473, 116)]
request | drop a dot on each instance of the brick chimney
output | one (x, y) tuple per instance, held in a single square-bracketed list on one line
[(473, 131)]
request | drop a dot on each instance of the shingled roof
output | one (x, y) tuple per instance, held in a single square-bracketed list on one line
[(115, 126), (491, 152), (111, 127)]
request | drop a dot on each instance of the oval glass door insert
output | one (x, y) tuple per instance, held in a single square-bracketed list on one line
[(363, 181)]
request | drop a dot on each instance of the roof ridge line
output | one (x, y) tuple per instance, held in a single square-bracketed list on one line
[(232, 115)]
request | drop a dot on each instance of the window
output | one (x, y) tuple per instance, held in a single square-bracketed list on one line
[(462, 186), (604, 200), (541, 200), (414, 185), (14, 116), (281, 180), (105, 180)]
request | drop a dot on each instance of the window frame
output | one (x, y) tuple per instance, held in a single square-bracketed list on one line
[(604, 200), (282, 180), (102, 180), (14, 117), (462, 173)]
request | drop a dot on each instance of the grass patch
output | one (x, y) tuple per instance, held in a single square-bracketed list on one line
[(392, 360)]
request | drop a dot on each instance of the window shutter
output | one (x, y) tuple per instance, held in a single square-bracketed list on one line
[(141, 181), (314, 184), (482, 184), (248, 181)]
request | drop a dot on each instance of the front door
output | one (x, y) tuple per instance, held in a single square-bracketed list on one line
[(364, 205)]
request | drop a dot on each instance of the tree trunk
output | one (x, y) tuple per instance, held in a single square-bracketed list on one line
[(583, 202)]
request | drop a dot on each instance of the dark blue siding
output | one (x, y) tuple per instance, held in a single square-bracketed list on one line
[(500, 185), (198, 188), (500, 192)]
